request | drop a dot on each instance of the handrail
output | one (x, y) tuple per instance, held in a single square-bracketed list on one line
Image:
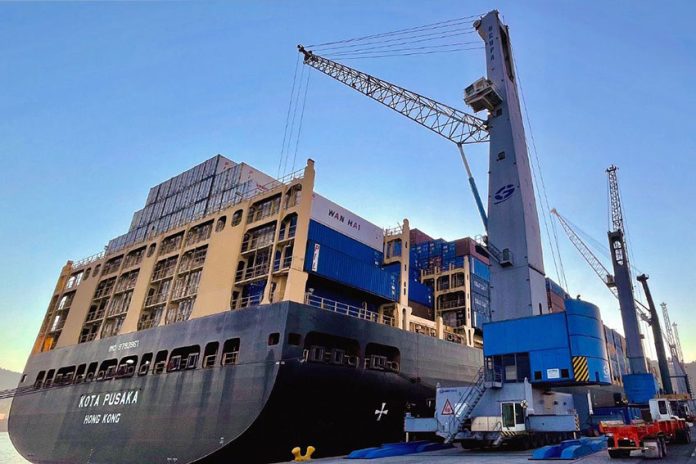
[(348, 310)]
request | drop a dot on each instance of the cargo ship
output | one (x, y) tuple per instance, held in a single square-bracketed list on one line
[(243, 315)]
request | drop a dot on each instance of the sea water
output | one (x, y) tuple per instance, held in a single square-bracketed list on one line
[(8, 455)]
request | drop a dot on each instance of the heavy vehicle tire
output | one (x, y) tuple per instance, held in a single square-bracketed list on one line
[(619, 453), (663, 443)]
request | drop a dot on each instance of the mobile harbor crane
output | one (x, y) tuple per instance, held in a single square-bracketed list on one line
[(513, 398), (643, 312), (659, 425)]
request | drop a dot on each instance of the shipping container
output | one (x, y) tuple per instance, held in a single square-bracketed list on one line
[(420, 293), (478, 285), (417, 236), (346, 269), (327, 236), (480, 269)]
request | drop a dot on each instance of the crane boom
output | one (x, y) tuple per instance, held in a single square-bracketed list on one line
[(450, 123)]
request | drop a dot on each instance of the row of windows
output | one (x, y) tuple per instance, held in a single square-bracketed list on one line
[(319, 347)]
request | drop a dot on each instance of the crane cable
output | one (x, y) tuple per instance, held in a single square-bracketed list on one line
[(287, 117), (545, 206), (407, 31)]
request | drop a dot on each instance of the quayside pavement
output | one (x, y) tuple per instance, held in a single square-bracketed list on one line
[(678, 454)]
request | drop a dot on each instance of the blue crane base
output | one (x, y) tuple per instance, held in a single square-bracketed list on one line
[(571, 449)]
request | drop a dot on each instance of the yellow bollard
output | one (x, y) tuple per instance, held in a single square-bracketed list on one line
[(299, 457)]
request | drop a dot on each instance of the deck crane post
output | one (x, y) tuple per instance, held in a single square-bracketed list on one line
[(657, 336), (517, 281), (622, 278)]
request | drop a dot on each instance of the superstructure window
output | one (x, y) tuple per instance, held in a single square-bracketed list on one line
[(133, 258), (220, 224), (199, 233), (145, 362), (237, 217), (126, 368), (80, 373), (210, 354), (230, 352), (160, 362)]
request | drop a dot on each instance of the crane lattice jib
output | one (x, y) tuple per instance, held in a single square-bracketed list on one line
[(617, 221), (450, 123), (669, 334), (677, 342), (596, 265)]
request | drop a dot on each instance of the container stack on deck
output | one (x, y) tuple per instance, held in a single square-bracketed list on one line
[(201, 190)]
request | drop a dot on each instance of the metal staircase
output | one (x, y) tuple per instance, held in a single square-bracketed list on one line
[(486, 378)]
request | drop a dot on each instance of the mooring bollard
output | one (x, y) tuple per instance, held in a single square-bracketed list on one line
[(299, 457)]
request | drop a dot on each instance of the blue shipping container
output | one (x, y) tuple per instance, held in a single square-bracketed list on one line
[(323, 235), (420, 293), (480, 269), (340, 267)]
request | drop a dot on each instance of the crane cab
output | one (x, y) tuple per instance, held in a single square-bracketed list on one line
[(482, 95)]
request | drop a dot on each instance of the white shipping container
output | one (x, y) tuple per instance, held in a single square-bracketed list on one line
[(152, 195), (224, 163), (328, 213), (199, 208)]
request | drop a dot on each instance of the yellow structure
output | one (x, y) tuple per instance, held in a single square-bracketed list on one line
[(215, 260)]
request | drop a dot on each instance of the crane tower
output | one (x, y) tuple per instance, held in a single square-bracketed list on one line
[(513, 222), (622, 277)]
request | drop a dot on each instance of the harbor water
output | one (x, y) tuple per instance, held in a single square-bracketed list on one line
[(8, 455)]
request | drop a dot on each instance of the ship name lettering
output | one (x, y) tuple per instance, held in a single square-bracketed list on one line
[(124, 398), (92, 419)]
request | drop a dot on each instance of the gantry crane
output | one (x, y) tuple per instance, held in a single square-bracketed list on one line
[(511, 220)]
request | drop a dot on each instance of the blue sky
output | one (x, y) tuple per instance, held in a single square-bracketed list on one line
[(100, 101)]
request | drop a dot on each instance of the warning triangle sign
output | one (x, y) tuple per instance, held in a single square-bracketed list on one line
[(447, 409)]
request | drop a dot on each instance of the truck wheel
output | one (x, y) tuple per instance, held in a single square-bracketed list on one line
[(663, 444), (619, 453)]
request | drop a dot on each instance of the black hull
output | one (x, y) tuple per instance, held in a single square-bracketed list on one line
[(254, 411)]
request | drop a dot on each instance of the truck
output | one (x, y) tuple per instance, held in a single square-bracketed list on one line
[(649, 435)]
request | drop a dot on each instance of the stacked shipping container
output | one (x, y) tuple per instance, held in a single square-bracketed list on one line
[(203, 189)]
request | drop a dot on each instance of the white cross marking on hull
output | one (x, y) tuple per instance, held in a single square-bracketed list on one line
[(380, 412)]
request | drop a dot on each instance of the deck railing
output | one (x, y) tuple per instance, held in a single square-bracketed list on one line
[(348, 310)]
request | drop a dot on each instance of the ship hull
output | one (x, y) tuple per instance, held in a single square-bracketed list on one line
[(276, 396)]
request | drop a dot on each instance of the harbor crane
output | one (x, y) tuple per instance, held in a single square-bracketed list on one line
[(511, 220), (622, 278), (672, 338), (648, 315)]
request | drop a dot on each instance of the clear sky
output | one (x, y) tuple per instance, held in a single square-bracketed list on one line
[(100, 101)]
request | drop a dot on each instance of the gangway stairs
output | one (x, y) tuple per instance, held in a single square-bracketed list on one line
[(467, 402)]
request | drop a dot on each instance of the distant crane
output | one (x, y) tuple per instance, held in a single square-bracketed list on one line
[(648, 315), (622, 278), (672, 337), (657, 336)]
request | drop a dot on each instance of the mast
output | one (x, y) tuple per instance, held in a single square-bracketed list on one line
[(518, 285)]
